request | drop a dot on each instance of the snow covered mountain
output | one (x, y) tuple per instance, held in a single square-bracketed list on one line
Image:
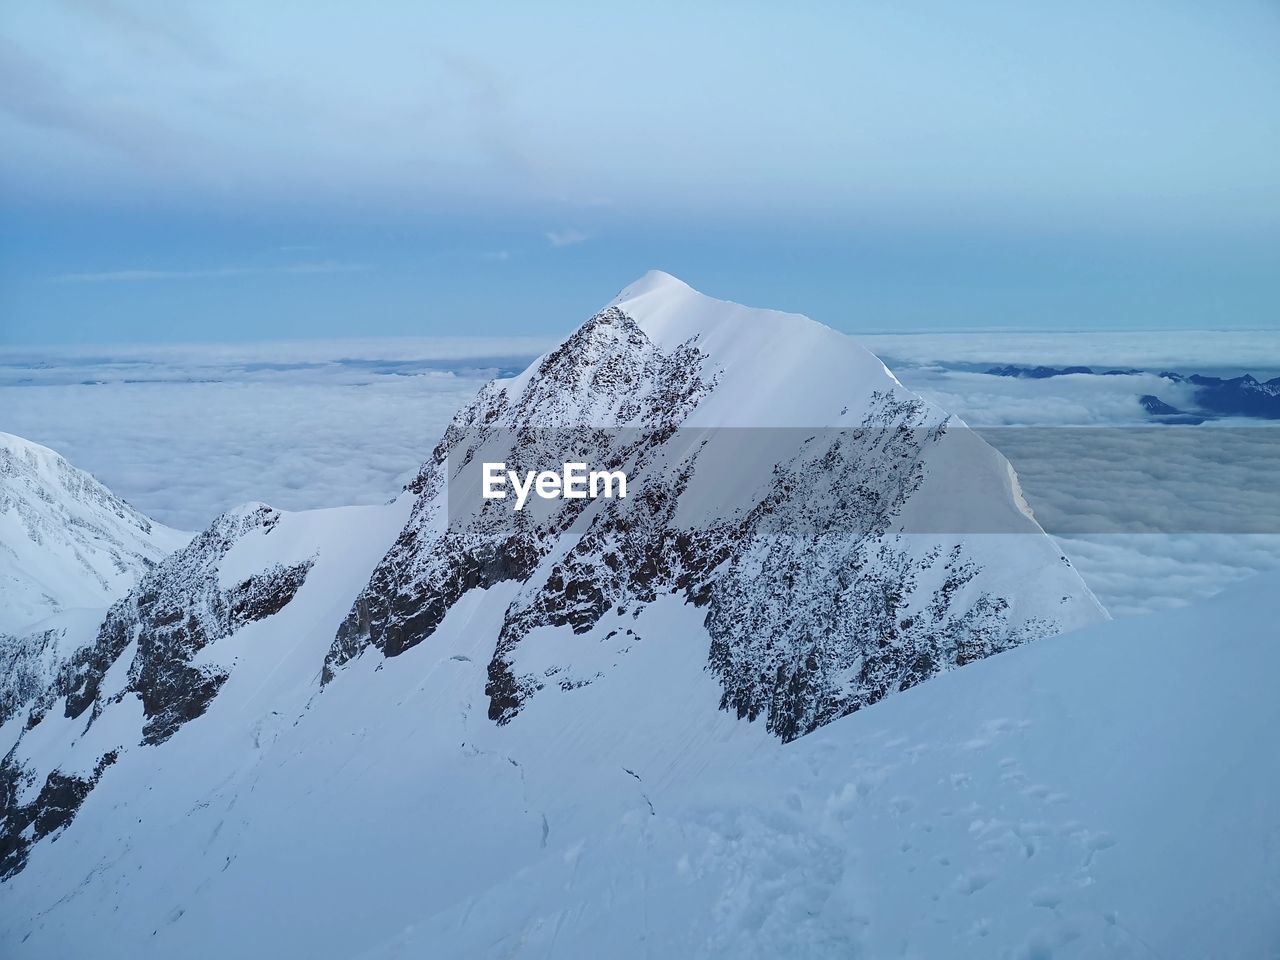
[(344, 722), (66, 541), (68, 548)]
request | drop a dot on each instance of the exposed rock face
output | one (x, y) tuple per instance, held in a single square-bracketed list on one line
[(173, 613), (69, 547), (813, 608), (53, 808), (26, 667), (607, 374)]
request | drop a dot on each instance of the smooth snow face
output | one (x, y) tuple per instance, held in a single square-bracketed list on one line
[(786, 370), (65, 540)]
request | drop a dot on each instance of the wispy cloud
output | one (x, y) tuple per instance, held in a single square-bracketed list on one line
[(566, 238), (168, 25), (496, 256), (127, 276), (38, 96), (487, 93)]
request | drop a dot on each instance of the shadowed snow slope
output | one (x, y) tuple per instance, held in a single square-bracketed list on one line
[(440, 727)]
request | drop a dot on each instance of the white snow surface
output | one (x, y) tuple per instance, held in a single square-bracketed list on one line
[(66, 541)]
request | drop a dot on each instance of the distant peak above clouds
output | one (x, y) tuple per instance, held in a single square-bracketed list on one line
[(66, 541)]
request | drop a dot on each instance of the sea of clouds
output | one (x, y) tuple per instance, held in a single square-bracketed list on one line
[(1152, 517), (185, 432)]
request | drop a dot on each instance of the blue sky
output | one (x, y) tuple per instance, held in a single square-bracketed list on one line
[(245, 171)]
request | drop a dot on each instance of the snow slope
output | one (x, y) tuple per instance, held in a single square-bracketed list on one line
[(1093, 795), (65, 540), (1104, 794), (335, 733)]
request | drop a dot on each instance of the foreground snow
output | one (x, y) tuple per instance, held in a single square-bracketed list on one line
[(1107, 793), (1110, 793)]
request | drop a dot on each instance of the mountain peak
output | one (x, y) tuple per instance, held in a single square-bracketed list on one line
[(820, 438), (652, 281)]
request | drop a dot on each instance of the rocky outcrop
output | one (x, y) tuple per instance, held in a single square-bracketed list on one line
[(173, 614), (813, 609), (25, 668), (607, 394), (26, 823)]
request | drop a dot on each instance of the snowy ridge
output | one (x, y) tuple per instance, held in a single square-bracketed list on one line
[(1082, 797), (66, 541), (161, 657)]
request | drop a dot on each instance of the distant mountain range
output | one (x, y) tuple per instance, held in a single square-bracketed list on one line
[(1243, 396)]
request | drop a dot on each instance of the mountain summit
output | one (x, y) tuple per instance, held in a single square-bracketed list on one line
[(844, 538)]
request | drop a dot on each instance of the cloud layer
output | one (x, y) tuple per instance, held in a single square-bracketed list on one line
[(186, 433)]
